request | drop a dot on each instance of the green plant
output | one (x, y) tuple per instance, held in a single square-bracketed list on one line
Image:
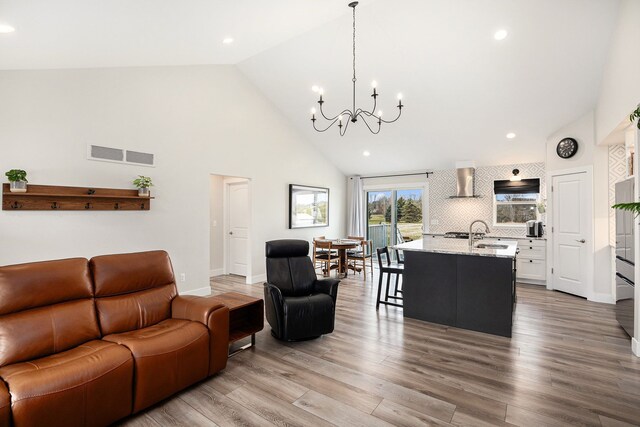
[(16, 175), (635, 115), (143, 182), (632, 207)]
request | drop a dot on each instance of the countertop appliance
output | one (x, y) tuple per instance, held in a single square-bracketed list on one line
[(535, 228), (625, 255)]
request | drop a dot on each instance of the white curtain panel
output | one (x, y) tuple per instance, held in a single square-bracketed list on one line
[(355, 208)]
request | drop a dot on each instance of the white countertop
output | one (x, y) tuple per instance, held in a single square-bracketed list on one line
[(460, 247)]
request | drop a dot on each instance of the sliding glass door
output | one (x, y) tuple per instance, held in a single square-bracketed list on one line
[(394, 216)]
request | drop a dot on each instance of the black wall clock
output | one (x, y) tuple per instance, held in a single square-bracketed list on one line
[(568, 147)]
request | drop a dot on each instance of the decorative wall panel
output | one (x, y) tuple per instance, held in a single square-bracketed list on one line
[(617, 173), (457, 214)]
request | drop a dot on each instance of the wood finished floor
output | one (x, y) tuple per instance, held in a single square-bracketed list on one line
[(568, 363)]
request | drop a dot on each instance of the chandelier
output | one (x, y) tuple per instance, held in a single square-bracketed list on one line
[(346, 116)]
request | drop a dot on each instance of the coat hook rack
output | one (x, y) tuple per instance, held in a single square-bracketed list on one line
[(58, 198)]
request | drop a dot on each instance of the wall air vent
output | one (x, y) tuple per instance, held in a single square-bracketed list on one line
[(140, 158), (119, 155)]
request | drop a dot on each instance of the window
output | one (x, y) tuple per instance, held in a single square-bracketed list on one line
[(515, 209)]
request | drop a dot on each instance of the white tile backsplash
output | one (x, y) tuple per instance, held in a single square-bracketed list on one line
[(456, 214)]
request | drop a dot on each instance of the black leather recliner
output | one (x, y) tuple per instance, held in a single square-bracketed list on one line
[(298, 305)]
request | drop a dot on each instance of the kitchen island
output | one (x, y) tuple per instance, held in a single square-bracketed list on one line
[(447, 282)]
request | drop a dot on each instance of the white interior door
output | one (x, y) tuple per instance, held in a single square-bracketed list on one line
[(572, 233), (238, 227)]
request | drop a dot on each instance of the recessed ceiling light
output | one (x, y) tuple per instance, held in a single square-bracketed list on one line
[(500, 35), (4, 29), (511, 135), (227, 40), (366, 153)]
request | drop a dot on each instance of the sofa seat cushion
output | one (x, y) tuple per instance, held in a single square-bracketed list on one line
[(88, 385), (309, 316), (168, 357)]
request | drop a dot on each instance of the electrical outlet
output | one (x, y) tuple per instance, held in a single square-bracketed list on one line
[(183, 277)]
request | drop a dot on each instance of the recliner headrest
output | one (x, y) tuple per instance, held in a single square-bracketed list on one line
[(286, 248)]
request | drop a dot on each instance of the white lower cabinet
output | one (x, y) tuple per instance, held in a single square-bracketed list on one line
[(531, 263)]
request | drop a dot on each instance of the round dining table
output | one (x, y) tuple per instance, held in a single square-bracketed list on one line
[(342, 246)]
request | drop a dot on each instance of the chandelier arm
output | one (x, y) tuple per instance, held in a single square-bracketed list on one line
[(343, 131), (345, 111), (371, 130), (325, 129), (391, 121)]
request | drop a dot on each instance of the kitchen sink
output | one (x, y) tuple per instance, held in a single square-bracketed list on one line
[(491, 246)]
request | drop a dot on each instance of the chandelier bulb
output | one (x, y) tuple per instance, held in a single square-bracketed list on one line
[(399, 97), (313, 111), (374, 84)]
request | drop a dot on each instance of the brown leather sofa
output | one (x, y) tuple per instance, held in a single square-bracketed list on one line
[(85, 343)]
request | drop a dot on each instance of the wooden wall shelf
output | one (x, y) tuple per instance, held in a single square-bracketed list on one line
[(51, 197)]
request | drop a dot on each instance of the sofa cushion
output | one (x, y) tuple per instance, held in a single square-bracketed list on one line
[(168, 357), (123, 313), (5, 405), (43, 331), (132, 291), (126, 273), (37, 284), (87, 385)]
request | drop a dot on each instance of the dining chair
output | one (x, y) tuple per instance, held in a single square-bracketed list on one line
[(360, 256), (389, 268), (325, 255)]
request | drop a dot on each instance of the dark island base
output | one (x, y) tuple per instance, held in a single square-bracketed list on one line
[(465, 291)]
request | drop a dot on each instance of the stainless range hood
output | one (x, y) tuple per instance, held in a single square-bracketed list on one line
[(465, 183)]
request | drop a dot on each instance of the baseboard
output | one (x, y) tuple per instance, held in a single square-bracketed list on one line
[(199, 292), (635, 346), (258, 278), (604, 298), (216, 272)]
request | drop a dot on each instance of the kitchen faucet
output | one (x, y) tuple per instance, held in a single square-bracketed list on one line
[(471, 231)]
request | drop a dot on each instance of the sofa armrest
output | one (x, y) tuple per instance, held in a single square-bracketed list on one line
[(213, 315), (327, 286)]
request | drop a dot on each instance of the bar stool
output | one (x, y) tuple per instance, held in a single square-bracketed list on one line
[(389, 268)]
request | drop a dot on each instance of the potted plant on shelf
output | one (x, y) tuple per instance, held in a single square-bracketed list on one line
[(143, 183), (635, 115), (17, 180)]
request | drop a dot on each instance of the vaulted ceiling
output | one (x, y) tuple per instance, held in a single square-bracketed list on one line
[(463, 90)]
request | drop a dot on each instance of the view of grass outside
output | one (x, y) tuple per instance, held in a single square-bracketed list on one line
[(516, 208), (408, 207)]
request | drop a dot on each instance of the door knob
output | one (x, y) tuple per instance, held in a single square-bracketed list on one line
[(581, 241), (231, 232)]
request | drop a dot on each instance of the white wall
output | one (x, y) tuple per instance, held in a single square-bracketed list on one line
[(620, 87), (596, 156), (216, 251), (198, 120)]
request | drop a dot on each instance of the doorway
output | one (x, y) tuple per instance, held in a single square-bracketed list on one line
[(230, 220), (572, 232), (395, 215)]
